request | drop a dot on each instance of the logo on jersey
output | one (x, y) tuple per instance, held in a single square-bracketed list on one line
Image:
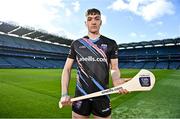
[(103, 47)]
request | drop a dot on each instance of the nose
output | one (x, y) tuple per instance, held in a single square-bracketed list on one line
[(93, 21)]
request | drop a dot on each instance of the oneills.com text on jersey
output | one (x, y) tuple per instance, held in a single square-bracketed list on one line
[(92, 59)]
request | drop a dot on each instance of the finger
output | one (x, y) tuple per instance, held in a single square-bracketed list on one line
[(121, 91), (63, 102), (126, 91), (66, 99), (69, 103)]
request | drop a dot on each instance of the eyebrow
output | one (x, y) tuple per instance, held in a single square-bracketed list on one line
[(93, 17)]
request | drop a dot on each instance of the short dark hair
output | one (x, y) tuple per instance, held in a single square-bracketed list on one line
[(92, 11)]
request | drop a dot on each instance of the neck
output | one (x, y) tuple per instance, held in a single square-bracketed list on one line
[(93, 35)]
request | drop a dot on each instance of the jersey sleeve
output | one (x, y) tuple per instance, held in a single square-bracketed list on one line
[(72, 53), (114, 51)]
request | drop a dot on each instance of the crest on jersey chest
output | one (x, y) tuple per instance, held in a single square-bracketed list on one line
[(103, 47)]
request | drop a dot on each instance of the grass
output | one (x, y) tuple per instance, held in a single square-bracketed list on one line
[(36, 92)]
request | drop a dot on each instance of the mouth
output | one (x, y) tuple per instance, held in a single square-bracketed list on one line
[(93, 27)]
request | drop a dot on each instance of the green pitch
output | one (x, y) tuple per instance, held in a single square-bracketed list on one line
[(36, 92)]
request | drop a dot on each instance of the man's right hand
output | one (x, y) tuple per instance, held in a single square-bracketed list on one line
[(65, 100)]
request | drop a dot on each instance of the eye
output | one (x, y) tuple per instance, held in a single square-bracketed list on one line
[(97, 18), (89, 19)]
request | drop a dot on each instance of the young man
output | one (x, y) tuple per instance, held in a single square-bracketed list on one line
[(95, 55)]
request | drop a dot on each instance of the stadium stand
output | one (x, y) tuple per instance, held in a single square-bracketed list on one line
[(22, 47), (19, 52), (160, 54)]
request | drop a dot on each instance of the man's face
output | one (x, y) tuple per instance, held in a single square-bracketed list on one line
[(93, 23)]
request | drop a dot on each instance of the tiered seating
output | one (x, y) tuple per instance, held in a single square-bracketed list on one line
[(16, 62), (17, 42), (18, 52), (150, 51), (174, 65), (20, 62), (138, 65), (149, 65), (162, 65), (4, 63), (163, 57)]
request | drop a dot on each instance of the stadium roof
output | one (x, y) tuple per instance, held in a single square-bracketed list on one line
[(32, 33), (42, 35), (154, 43)]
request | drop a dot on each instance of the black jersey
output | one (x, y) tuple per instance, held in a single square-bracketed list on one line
[(93, 60)]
